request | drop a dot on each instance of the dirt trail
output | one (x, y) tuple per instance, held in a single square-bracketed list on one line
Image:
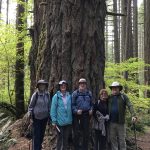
[(143, 141)]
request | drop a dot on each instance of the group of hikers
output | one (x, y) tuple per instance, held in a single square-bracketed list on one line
[(72, 113)]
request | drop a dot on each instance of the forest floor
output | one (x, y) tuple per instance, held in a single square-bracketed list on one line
[(143, 141)]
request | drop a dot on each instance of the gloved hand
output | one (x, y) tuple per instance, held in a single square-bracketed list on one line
[(90, 112), (54, 125), (29, 114), (79, 112), (106, 117), (134, 119)]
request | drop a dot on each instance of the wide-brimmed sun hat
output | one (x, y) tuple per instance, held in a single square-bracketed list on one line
[(116, 84), (41, 82)]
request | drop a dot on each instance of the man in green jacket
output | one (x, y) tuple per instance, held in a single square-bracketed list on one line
[(117, 109)]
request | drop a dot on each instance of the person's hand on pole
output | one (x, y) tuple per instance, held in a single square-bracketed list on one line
[(134, 119), (90, 112), (79, 112)]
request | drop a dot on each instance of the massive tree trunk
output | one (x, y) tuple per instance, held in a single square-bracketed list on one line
[(19, 79), (68, 42), (147, 44)]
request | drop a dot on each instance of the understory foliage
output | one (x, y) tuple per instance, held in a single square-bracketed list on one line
[(8, 40), (134, 85)]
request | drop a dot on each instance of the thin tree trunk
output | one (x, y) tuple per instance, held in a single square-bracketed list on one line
[(135, 29), (0, 8), (7, 11), (106, 38), (123, 28), (129, 39), (19, 80), (116, 35)]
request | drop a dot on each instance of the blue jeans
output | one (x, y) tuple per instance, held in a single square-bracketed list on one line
[(39, 127)]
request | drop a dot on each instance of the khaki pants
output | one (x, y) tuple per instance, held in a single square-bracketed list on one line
[(117, 136)]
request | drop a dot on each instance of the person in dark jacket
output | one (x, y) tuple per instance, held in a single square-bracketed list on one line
[(82, 110), (100, 114), (117, 104), (39, 113)]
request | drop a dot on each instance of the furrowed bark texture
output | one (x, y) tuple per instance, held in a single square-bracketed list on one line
[(68, 42)]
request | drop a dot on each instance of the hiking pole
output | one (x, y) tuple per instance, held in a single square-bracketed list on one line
[(134, 128)]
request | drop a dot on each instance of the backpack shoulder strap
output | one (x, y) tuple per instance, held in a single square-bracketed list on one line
[(123, 98), (36, 97)]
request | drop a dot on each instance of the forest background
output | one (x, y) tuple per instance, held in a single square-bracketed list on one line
[(126, 52)]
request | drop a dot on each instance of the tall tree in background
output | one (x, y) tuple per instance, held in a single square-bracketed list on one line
[(147, 44), (7, 11), (19, 80), (135, 29), (106, 38), (0, 8), (123, 28), (68, 42), (129, 35), (116, 34)]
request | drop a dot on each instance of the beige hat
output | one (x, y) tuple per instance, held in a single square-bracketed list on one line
[(82, 80), (116, 84)]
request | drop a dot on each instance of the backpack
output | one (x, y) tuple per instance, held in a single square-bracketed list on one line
[(78, 94), (36, 98), (123, 98), (26, 126)]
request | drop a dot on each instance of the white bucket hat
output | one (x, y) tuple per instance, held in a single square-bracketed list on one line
[(116, 84)]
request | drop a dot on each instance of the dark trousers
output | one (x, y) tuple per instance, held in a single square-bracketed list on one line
[(100, 141), (39, 127), (62, 137), (81, 131)]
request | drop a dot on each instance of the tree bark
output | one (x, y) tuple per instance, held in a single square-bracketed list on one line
[(135, 29), (106, 38), (129, 35), (116, 34), (0, 8), (147, 45), (123, 28), (68, 42), (7, 11), (19, 80)]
